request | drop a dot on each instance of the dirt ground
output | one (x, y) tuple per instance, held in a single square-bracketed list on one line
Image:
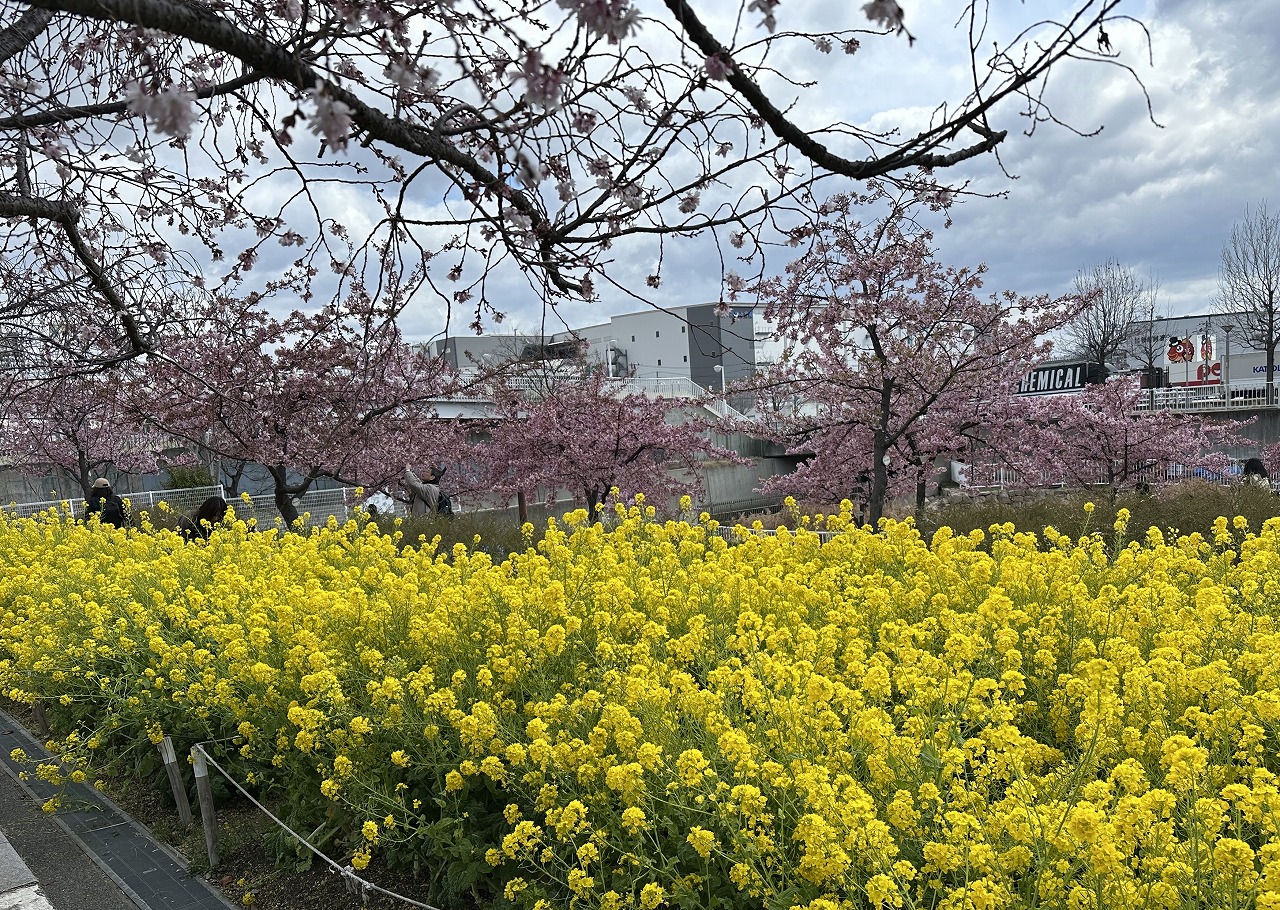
[(247, 872)]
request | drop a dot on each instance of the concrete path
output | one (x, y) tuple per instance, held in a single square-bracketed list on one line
[(19, 889), (41, 866), (88, 855)]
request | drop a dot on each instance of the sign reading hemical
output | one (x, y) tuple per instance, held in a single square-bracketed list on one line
[(1056, 379)]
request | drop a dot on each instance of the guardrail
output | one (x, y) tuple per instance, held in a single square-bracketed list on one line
[(1220, 397)]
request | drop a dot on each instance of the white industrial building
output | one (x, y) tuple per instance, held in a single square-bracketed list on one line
[(702, 343), (1196, 350)]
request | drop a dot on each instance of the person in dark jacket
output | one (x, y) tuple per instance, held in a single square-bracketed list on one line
[(200, 525), (105, 504), (1255, 470)]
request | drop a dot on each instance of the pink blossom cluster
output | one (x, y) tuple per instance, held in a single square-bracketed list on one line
[(613, 19), (331, 121), (544, 84), (171, 111)]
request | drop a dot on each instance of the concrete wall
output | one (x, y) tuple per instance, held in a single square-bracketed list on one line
[(468, 353), (656, 343), (731, 489), (1262, 431)]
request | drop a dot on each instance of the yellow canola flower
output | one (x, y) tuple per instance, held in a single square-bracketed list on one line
[(864, 718)]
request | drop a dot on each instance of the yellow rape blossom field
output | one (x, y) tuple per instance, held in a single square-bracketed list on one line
[(647, 716)]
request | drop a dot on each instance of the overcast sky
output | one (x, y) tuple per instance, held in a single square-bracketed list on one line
[(1158, 198)]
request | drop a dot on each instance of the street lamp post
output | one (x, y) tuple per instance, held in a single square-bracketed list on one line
[(1206, 351), (1227, 329), (608, 358), (719, 368)]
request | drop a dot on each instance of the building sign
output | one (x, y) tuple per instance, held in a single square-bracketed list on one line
[(1193, 360), (1055, 379)]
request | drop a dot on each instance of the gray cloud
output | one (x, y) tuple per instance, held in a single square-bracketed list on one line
[(1161, 199)]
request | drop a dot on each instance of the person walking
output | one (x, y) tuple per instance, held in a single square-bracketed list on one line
[(105, 504)]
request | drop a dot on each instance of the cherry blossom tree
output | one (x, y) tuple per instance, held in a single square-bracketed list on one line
[(1100, 435), (588, 434), (76, 424), (307, 396), (420, 148), (898, 358)]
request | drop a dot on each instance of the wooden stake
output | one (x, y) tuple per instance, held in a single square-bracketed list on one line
[(175, 781), (204, 792), (37, 712)]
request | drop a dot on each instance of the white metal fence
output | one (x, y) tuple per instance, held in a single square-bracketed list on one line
[(1220, 397), (994, 476), (182, 501), (314, 507)]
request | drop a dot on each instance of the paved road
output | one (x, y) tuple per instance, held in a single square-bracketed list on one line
[(66, 876)]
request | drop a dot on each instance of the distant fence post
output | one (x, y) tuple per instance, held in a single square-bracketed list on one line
[(175, 781), (204, 792)]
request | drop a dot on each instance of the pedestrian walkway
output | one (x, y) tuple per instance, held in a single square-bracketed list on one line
[(89, 855), (19, 889)]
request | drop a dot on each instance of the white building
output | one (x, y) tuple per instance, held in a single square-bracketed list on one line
[(711, 348), (1197, 350)]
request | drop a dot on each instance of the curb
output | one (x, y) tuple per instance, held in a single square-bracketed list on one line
[(19, 889), (149, 873)]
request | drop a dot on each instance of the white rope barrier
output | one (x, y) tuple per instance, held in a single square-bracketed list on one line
[(347, 872)]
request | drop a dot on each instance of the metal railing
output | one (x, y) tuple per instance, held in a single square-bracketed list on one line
[(996, 477), (681, 387), (314, 507), (182, 501), (1220, 397)]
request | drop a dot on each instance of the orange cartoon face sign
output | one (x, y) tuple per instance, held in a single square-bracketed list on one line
[(1181, 350)]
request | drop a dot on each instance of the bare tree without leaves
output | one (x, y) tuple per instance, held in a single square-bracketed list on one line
[(1249, 281), (1148, 338), (1102, 333)]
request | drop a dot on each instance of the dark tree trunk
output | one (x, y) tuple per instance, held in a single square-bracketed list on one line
[(879, 478), (284, 504), (284, 493)]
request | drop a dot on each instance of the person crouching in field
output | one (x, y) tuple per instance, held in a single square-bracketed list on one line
[(200, 525), (105, 504)]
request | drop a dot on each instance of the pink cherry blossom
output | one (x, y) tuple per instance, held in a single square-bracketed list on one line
[(544, 84), (886, 13), (718, 67), (894, 360), (331, 120), (171, 111)]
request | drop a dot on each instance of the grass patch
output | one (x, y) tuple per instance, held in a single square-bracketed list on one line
[(1181, 509)]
